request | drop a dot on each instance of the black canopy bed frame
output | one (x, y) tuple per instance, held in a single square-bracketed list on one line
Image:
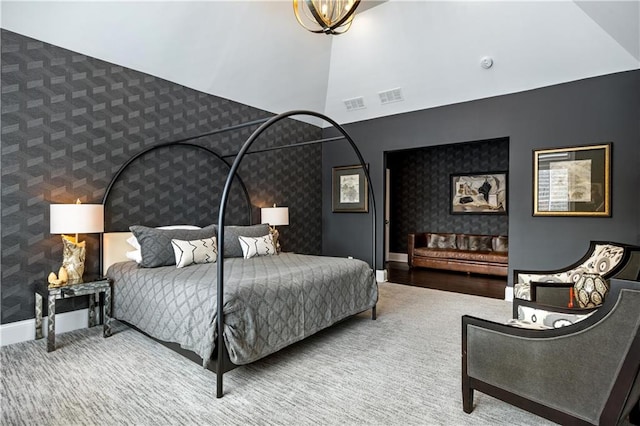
[(220, 360)]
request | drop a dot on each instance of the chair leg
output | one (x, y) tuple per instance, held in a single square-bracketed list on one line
[(467, 396)]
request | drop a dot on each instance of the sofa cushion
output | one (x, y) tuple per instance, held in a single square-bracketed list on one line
[(465, 255), (441, 241)]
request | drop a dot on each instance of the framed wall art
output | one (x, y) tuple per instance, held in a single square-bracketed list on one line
[(572, 181), (350, 193), (479, 193)]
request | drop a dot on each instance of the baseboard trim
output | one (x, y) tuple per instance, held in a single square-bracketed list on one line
[(508, 294), (21, 331), (398, 257)]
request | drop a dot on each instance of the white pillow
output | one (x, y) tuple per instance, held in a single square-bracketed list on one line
[(133, 241), (195, 251), (135, 255), (257, 246)]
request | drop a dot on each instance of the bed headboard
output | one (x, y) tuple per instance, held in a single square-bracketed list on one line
[(114, 249)]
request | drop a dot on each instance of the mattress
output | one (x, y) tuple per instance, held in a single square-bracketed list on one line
[(270, 302)]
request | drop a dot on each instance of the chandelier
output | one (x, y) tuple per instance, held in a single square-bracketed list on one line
[(325, 16)]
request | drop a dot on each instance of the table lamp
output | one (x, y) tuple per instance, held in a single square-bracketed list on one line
[(75, 219), (275, 216)]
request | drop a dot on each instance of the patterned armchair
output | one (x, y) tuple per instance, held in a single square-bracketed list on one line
[(582, 369), (609, 259)]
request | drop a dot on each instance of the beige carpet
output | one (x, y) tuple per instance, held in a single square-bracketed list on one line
[(402, 369)]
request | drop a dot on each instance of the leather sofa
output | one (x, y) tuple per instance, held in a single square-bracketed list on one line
[(481, 254)]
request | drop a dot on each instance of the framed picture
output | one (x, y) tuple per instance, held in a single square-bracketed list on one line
[(572, 181), (479, 193), (350, 193)]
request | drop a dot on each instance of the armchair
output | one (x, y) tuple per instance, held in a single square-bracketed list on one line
[(609, 259), (584, 373)]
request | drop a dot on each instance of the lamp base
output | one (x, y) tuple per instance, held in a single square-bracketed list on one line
[(275, 236), (73, 256)]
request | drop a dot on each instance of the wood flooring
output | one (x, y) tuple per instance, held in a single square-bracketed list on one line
[(459, 282)]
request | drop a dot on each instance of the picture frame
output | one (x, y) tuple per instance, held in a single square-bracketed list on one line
[(572, 181), (350, 192), (479, 193)]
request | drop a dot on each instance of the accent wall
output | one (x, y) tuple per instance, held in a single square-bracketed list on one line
[(69, 122)]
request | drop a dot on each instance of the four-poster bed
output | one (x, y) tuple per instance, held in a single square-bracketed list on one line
[(246, 308)]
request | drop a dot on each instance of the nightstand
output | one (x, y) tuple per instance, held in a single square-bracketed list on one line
[(91, 288)]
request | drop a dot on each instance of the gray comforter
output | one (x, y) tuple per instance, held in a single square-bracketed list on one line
[(269, 301)]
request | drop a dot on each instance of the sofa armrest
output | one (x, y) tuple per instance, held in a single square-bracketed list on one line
[(414, 240)]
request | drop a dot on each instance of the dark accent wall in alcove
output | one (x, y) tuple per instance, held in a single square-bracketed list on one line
[(70, 121), (420, 189)]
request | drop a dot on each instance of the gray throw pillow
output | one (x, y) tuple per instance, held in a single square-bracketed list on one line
[(156, 245), (232, 246)]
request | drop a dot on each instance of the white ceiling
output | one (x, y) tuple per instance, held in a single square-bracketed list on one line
[(254, 52)]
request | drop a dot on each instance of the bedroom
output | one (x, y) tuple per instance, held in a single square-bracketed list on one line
[(582, 91)]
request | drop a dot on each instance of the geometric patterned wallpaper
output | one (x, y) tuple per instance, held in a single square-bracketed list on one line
[(69, 122), (420, 189)]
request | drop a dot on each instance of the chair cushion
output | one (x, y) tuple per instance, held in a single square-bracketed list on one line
[(533, 318)]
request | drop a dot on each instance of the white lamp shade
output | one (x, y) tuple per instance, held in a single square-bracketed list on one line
[(275, 216), (77, 218)]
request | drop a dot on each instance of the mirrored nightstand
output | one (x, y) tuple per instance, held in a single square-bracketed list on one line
[(91, 288)]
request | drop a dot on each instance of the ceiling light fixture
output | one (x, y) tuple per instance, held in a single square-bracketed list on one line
[(325, 16)]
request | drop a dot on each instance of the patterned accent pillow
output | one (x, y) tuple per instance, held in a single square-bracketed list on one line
[(259, 246), (462, 242), (231, 233), (195, 251), (500, 244), (156, 246), (480, 242), (529, 317), (442, 241)]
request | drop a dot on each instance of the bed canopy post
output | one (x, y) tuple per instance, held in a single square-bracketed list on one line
[(223, 205)]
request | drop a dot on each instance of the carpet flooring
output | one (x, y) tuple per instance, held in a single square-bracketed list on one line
[(402, 369)]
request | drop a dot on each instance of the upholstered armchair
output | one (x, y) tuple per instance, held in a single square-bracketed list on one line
[(586, 372), (608, 259)]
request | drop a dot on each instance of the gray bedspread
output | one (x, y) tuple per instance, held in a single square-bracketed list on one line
[(269, 301)]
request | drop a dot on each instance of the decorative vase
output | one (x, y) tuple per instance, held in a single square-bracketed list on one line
[(591, 290)]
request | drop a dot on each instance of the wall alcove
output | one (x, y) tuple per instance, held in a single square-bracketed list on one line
[(420, 183)]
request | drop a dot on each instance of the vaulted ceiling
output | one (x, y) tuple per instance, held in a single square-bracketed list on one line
[(254, 52)]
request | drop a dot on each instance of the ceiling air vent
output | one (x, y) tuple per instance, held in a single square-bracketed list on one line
[(355, 103), (389, 96)]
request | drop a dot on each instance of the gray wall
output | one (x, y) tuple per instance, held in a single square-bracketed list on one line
[(70, 121), (420, 189), (596, 110)]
